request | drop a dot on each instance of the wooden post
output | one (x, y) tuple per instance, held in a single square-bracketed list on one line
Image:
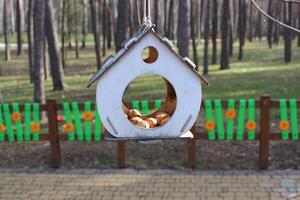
[(192, 149), (121, 154), (53, 133), (264, 131)]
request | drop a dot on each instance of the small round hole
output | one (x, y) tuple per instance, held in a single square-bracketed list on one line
[(150, 54)]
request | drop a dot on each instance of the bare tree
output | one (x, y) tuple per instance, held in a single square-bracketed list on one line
[(6, 27), (1, 98), (270, 24), (225, 35), (30, 38), (214, 31), (84, 24), (104, 27), (95, 31), (122, 23), (63, 34), (206, 37), (20, 26), (183, 28), (242, 26), (53, 48), (76, 29), (38, 79), (193, 32), (287, 33)]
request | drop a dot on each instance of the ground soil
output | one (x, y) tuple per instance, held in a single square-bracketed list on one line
[(170, 155)]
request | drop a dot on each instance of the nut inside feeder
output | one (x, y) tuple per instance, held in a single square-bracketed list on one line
[(157, 118)]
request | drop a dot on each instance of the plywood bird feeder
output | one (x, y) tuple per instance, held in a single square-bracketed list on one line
[(184, 91)]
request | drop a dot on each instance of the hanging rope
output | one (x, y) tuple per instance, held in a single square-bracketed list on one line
[(147, 13), (273, 19)]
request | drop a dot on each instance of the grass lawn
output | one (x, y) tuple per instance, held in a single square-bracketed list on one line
[(262, 70)]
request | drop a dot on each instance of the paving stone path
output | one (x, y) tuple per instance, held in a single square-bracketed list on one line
[(158, 184)]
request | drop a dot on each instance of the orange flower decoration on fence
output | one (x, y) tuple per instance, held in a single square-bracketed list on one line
[(2, 128), (69, 127), (284, 125), (231, 114), (16, 116), (88, 116), (251, 126), (35, 127), (210, 125)]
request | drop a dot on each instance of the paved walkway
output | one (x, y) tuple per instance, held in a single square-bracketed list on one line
[(130, 184)]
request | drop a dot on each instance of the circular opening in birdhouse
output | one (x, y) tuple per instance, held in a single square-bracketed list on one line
[(149, 54), (149, 101)]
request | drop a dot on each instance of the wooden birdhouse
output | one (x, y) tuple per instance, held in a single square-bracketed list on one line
[(183, 82)]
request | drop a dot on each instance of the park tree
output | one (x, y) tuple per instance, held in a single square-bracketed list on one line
[(225, 35), (84, 21), (63, 34), (30, 37), (6, 27), (183, 28), (214, 34), (53, 48), (20, 18), (76, 27), (95, 24), (193, 26), (206, 36), (287, 32), (39, 30), (270, 24), (1, 98), (242, 21), (122, 23)]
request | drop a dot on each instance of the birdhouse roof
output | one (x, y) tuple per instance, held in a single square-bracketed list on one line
[(111, 60)]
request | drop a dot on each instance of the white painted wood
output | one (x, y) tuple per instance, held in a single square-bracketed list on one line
[(113, 83)]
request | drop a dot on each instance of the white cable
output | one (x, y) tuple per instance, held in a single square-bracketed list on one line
[(273, 19)]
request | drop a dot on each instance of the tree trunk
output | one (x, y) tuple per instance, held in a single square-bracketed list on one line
[(76, 29), (156, 13), (299, 28), (242, 26), (225, 34), (171, 20), (39, 19), (46, 59), (6, 28), (1, 98), (258, 27), (109, 25), (30, 38), (53, 48), (288, 33), (122, 23), (63, 34), (84, 24), (250, 33), (183, 28), (206, 37), (270, 25), (104, 28), (95, 31), (166, 17), (19, 27), (214, 31), (193, 33)]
